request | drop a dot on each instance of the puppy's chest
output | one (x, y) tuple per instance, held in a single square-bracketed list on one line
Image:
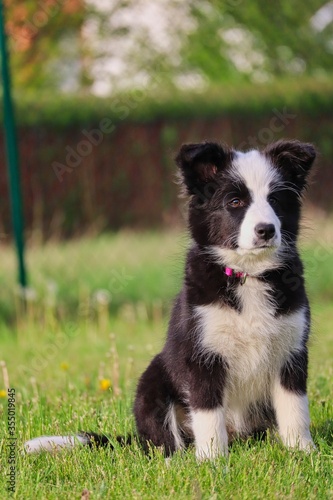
[(253, 339)]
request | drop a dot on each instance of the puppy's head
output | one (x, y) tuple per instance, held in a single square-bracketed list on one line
[(245, 206)]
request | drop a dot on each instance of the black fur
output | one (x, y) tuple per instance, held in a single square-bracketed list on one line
[(180, 375), (210, 222)]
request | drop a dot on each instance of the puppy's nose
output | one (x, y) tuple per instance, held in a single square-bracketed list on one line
[(265, 231)]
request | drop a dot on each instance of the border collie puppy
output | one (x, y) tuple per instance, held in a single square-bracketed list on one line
[(235, 358)]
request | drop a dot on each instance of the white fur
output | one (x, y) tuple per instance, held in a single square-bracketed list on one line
[(259, 176), (292, 413), (253, 262), (174, 425), (254, 343), (257, 172), (53, 443), (259, 211), (210, 433)]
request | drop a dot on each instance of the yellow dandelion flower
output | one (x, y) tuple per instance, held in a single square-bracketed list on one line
[(3, 393), (104, 384), (64, 366)]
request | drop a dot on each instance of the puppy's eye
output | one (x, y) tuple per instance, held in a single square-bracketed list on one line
[(273, 200), (236, 203)]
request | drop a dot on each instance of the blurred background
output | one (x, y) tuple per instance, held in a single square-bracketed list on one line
[(105, 92)]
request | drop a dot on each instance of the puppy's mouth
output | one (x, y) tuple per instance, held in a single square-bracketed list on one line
[(259, 249), (265, 245)]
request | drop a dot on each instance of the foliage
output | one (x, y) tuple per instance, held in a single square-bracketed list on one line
[(131, 43), (44, 42), (311, 96), (101, 47), (258, 40)]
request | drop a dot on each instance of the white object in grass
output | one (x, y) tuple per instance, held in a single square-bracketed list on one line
[(53, 443)]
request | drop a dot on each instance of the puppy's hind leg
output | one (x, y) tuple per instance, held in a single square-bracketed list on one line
[(154, 409)]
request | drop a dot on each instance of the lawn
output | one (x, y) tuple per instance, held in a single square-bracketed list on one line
[(96, 313)]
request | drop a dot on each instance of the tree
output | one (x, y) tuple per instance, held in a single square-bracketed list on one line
[(100, 46), (44, 41), (131, 42), (259, 40)]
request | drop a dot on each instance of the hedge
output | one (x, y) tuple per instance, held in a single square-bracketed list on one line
[(153, 103)]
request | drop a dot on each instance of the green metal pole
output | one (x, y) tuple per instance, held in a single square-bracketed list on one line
[(12, 154)]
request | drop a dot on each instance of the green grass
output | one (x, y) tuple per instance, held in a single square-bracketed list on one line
[(130, 267), (84, 323)]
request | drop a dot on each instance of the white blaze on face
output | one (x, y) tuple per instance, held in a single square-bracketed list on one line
[(258, 175)]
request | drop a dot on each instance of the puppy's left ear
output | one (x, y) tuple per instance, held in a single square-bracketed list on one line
[(200, 163), (293, 158)]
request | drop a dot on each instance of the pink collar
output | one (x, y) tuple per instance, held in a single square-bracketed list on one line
[(242, 276)]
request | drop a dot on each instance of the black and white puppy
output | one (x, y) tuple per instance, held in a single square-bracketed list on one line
[(235, 358)]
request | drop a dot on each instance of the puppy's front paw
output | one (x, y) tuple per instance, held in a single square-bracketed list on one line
[(299, 442), (211, 451), (305, 444)]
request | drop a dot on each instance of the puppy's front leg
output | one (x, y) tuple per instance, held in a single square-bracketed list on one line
[(293, 419), (210, 433)]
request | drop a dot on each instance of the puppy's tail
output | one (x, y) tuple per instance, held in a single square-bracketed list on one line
[(57, 443)]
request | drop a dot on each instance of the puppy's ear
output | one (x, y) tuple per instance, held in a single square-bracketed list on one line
[(293, 158), (200, 163)]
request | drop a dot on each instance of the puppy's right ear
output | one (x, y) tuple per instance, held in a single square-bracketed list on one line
[(199, 164), (294, 159)]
